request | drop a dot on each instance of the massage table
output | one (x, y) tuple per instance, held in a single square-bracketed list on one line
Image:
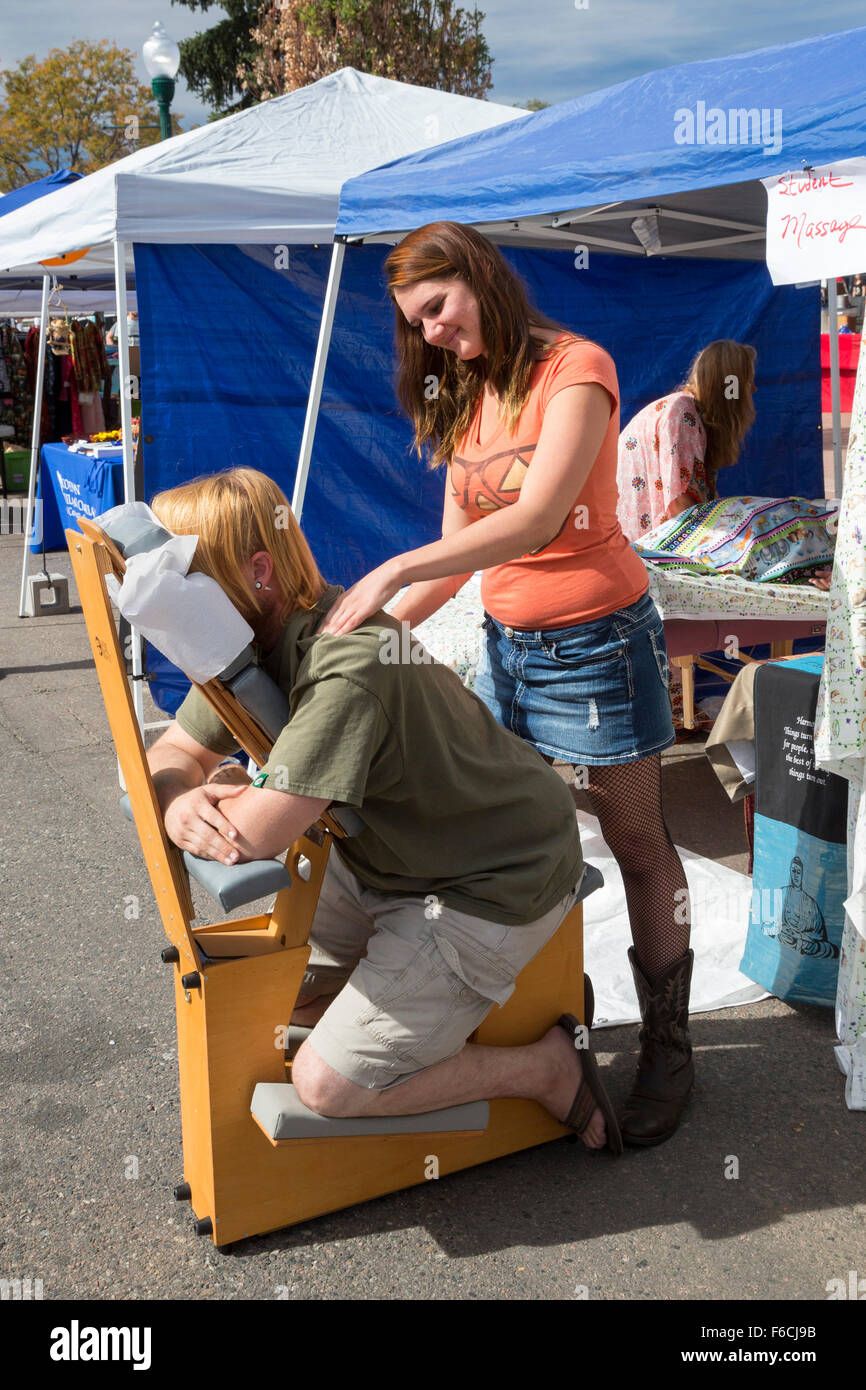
[(709, 613)]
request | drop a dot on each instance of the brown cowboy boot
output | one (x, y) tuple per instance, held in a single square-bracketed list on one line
[(665, 1071)]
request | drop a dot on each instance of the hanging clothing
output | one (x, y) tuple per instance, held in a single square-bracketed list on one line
[(68, 394), (88, 354), (16, 400), (91, 369), (31, 354), (74, 382), (61, 411)]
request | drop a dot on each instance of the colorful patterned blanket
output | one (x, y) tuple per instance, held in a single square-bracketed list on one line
[(763, 539)]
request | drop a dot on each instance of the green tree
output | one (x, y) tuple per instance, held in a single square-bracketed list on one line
[(80, 108), (211, 63), (429, 43), (534, 105)]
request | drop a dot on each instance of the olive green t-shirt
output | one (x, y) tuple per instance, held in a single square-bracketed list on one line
[(453, 804)]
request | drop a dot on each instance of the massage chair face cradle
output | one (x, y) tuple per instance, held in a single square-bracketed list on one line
[(232, 885)]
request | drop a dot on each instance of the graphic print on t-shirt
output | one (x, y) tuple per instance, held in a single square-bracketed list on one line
[(588, 569), (485, 485)]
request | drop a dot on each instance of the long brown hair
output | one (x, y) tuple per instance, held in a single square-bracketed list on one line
[(235, 514), (720, 368), (449, 251)]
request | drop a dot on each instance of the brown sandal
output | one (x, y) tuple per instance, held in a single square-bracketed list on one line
[(591, 1092)]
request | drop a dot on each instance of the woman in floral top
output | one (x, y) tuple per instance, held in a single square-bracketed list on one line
[(672, 450)]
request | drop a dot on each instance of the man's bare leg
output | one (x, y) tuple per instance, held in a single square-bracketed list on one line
[(548, 1071)]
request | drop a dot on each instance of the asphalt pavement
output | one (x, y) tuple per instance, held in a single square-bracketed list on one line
[(90, 1138)]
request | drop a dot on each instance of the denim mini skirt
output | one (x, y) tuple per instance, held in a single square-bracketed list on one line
[(592, 694)]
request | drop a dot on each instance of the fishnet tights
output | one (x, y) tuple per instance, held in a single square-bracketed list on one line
[(627, 800)]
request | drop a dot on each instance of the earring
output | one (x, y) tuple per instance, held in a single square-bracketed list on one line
[(258, 583)]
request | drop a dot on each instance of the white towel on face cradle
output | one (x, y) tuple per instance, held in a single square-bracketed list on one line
[(187, 617)]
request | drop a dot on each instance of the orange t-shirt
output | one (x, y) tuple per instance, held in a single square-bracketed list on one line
[(589, 569)]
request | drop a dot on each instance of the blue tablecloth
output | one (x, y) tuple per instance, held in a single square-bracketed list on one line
[(73, 485)]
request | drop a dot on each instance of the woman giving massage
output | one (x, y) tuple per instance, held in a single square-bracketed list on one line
[(526, 419)]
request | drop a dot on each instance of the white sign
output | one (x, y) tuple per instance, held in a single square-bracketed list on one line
[(816, 222)]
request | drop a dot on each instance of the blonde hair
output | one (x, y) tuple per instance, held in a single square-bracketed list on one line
[(450, 251), (726, 419), (235, 514)]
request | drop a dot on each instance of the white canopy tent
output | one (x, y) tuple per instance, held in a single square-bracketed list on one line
[(269, 175), (87, 279), (254, 177)]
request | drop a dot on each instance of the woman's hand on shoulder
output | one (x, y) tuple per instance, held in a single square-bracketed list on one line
[(363, 600)]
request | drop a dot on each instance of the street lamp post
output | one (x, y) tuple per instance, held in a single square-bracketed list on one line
[(162, 60)]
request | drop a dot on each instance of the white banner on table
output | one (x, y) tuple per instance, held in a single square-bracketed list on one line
[(816, 222)]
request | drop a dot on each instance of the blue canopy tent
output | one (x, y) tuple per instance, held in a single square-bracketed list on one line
[(683, 138), (663, 168)]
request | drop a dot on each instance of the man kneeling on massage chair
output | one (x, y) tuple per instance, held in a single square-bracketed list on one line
[(468, 861)]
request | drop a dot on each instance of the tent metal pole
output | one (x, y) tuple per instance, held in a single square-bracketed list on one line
[(835, 386), (622, 214), (325, 328), (128, 388), (34, 438), (677, 248)]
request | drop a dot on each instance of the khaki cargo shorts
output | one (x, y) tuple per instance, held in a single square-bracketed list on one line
[(415, 977)]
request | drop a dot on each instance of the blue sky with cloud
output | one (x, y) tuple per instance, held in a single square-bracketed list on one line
[(546, 49)]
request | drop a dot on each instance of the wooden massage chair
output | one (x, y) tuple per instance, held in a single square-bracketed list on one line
[(254, 1157)]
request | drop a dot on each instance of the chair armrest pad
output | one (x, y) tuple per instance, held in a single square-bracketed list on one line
[(231, 884)]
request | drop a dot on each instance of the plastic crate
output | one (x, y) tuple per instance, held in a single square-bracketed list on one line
[(16, 463)]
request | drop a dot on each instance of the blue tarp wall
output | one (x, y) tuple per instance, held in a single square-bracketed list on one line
[(228, 339)]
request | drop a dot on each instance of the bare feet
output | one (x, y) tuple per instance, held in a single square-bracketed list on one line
[(566, 1071)]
